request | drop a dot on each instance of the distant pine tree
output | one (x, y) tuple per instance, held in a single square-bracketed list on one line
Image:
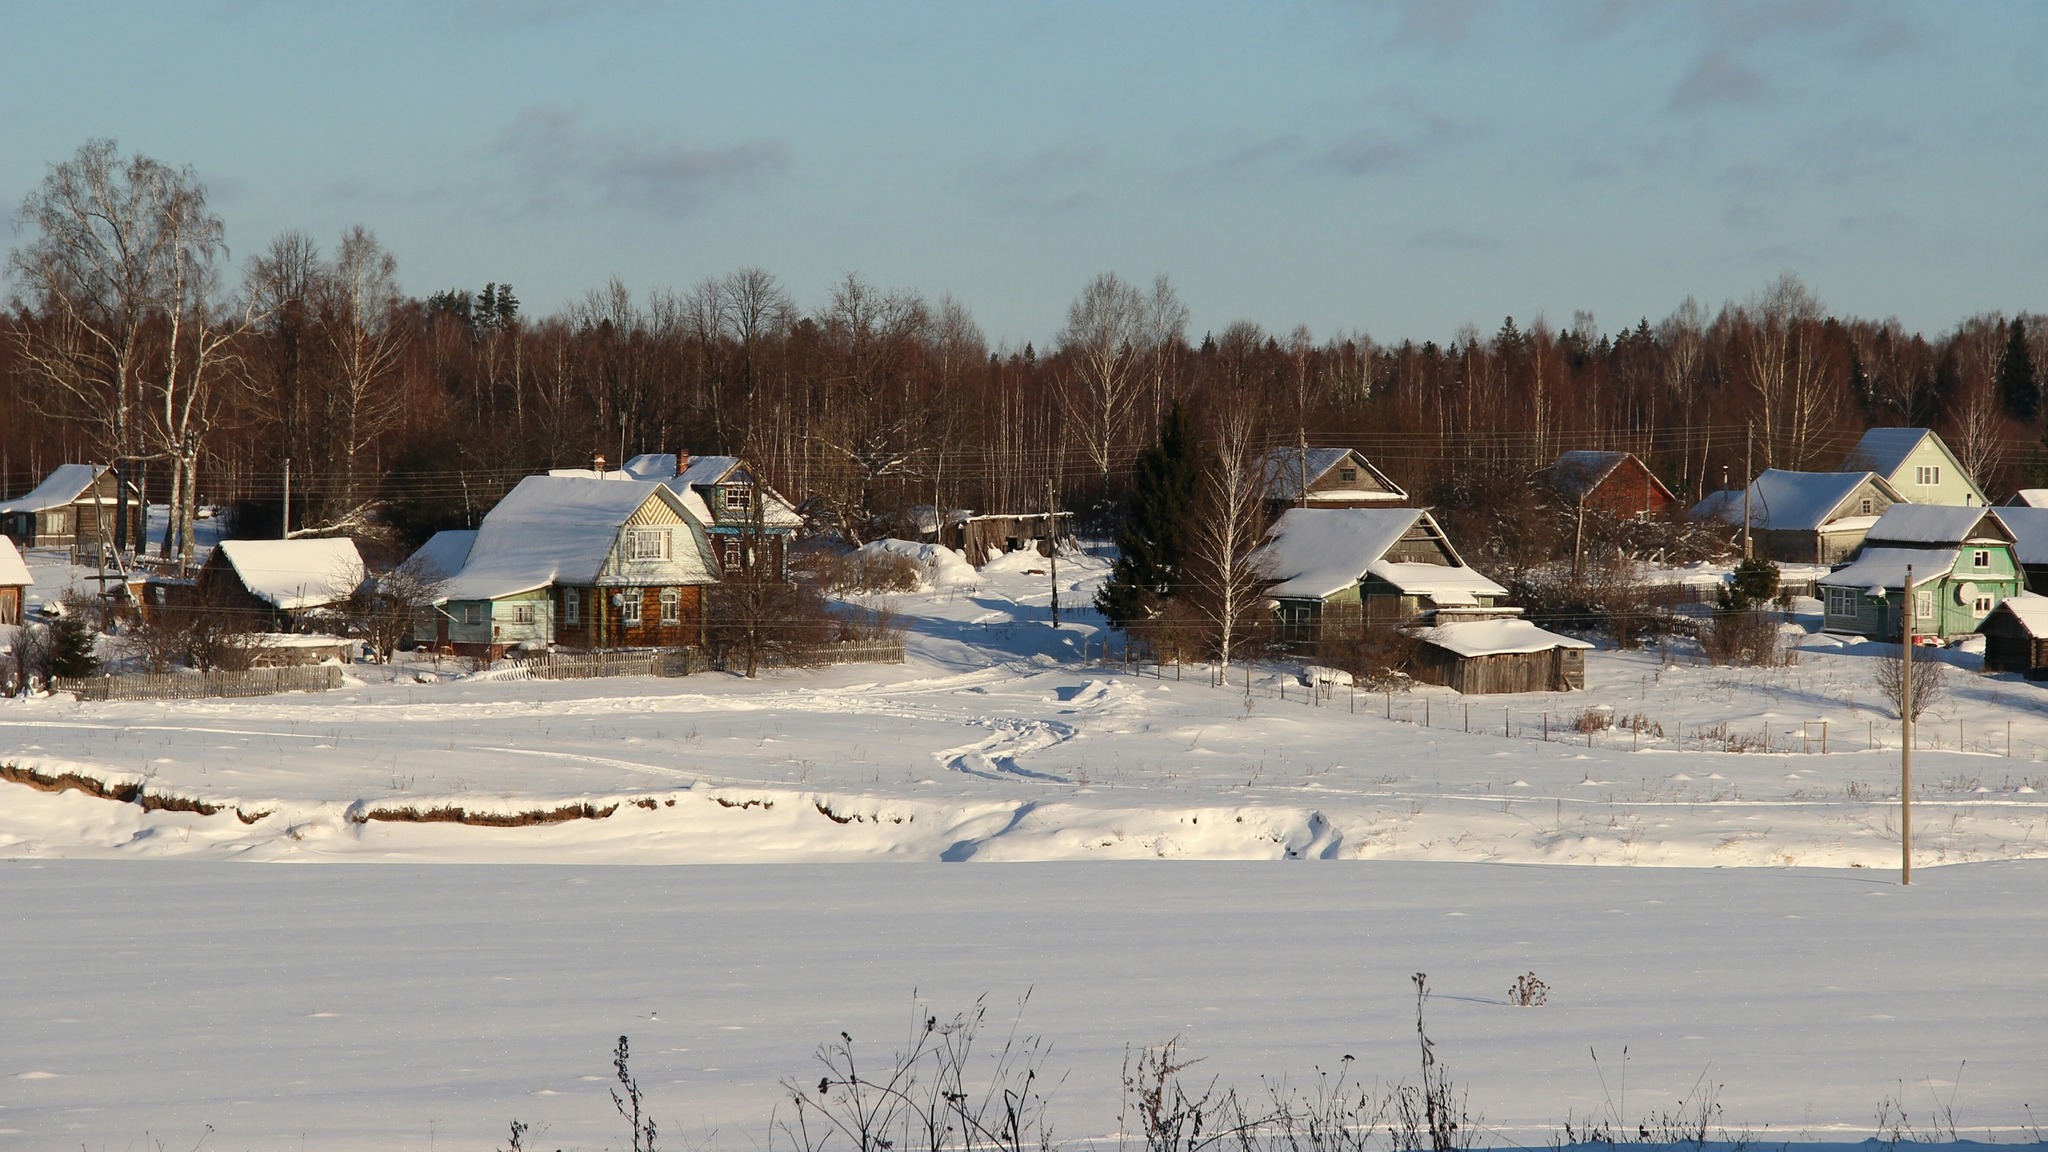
[(1152, 538), (71, 652), (2018, 388)]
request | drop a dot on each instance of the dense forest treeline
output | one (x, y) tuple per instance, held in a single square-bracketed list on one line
[(132, 334)]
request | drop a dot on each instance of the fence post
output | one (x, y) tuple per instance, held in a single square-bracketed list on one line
[(1468, 718), (1823, 737), (2008, 739), (1546, 727), (1390, 705), (1425, 711), (1504, 733)]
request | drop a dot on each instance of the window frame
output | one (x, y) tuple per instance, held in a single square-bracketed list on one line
[(735, 497), (1980, 558), (1927, 475), (1348, 475), (572, 606), (632, 607), (1844, 596), (731, 555), (1983, 606), (472, 614), (648, 544), (522, 614), (671, 606)]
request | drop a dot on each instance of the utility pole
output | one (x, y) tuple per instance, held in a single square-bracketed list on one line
[(1052, 550), (1906, 740), (1749, 482), (287, 534)]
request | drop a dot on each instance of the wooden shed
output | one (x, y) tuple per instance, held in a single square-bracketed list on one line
[(73, 507), (1617, 483), (2016, 637), (14, 582), (981, 536), (1492, 651)]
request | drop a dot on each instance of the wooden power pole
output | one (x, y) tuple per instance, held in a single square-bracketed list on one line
[(1906, 739)]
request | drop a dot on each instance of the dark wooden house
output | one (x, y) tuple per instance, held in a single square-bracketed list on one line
[(14, 583), (1804, 517), (1617, 483), (74, 506), (278, 584), (2016, 637), (1326, 478), (1491, 651)]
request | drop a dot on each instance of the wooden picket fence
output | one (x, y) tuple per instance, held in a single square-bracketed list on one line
[(203, 685)]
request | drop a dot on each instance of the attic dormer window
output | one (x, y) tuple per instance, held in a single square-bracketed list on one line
[(1981, 558), (647, 544), (1927, 475), (1347, 474), (1864, 508), (737, 497)]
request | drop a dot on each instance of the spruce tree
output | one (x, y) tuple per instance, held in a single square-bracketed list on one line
[(1152, 538), (71, 653), (2017, 387)]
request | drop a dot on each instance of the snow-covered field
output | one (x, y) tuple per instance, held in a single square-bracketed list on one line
[(393, 1005)]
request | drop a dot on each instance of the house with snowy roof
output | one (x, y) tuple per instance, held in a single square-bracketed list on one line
[(1364, 565), (1481, 651), (742, 506), (279, 582), (579, 561), (74, 505), (1917, 464), (1961, 564), (1617, 483), (2029, 528), (1325, 478), (2028, 498), (1803, 517), (2016, 636), (15, 582)]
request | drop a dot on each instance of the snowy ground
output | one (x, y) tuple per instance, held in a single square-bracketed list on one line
[(378, 1006)]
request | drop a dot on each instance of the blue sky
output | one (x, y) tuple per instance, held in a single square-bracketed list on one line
[(1397, 168)]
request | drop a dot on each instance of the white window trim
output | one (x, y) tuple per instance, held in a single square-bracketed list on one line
[(736, 497), (522, 613), (1981, 558), (472, 614), (671, 606), (631, 603), (643, 544), (572, 606)]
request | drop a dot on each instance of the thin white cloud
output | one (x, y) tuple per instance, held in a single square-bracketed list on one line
[(563, 163)]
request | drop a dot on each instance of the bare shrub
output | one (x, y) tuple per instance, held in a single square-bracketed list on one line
[(1528, 992), (1743, 636), (385, 612), (1930, 680), (1378, 653), (1592, 720)]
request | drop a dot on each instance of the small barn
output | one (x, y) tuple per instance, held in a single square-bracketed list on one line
[(280, 580), (2029, 528), (1617, 483), (1489, 651), (980, 536), (2016, 637), (73, 506), (2028, 498), (14, 582)]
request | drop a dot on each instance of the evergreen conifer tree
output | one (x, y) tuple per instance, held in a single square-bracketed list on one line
[(71, 652), (1152, 539), (2017, 387)]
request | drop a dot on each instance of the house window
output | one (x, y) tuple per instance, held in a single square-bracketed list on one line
[(629, 607), (472, 613), (1842, 602), (1347, 474), (1927, 475), (53, 523), (1923, 609), (647, 544), (737, 497), (522, 614), (572, 606), (1864, 508), (671, 606), (732, 555), (1981, 558), (1982, 606)]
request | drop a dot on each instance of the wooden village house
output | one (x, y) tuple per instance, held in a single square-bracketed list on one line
[(1325, 478), (1804, 517), (2029, 528), (1962, 566), (1364, 565), (15, 582), (1480, 651), (747, 516), (1617, 483), (1917, 465), (74, 507), (582, 562)]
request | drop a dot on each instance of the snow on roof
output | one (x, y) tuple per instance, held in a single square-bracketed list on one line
[(1876, 569), (1284, 473), (1883, 450), (1785, 500), (64, 485), (2029, 527), (2031, 610), (704, 469), (2029, 498), (708, 470), (1495, 637), (446, 552), (1581, 470), (1930, 524), (651, 466), (13, 572), (555, 528), (1317, 552), (294, 574)]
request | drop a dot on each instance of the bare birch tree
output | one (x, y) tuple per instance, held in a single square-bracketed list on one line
[(1099, 349), (359, 299), (1785, 371), (183, 409), (1229, 584)]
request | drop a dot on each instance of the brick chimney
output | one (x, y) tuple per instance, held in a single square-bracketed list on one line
[(682, 461), (597, 463)]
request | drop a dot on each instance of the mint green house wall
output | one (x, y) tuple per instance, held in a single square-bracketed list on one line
[(1940, 611)]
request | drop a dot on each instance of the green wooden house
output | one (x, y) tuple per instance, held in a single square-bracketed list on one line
[(1962, 563), (1356, 566)]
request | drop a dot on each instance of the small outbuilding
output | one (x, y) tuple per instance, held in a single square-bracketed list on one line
[(282, 580), (1487, 651), (2029, 528), (1617, 483), (2016, 637), (982, 536)]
